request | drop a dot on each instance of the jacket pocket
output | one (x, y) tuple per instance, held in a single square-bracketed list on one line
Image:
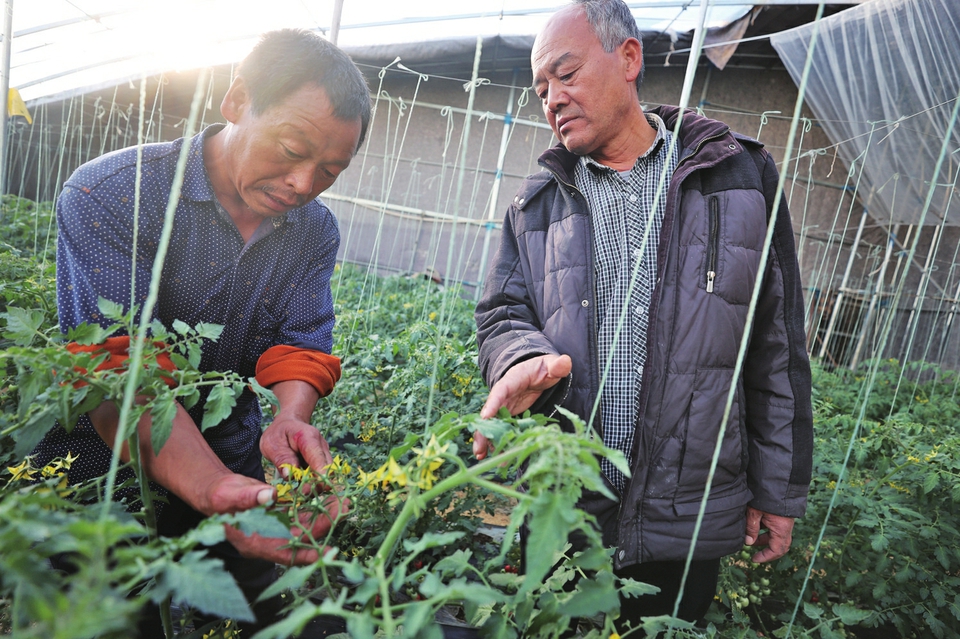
[(733, 235), (703, 421)]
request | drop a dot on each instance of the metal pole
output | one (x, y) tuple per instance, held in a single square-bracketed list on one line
[(335, 23), (925, 275), (494, 195), (5, 88), (875, 294), (843, 285)]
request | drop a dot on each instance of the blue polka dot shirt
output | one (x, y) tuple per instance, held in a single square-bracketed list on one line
[(272, 290)]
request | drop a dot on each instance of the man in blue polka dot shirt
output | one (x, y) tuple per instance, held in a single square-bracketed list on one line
[(253, 250)]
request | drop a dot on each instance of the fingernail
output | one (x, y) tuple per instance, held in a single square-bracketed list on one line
[(265, 496), (285, 472)]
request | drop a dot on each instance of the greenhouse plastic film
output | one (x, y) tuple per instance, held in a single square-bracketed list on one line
[(884, 83)]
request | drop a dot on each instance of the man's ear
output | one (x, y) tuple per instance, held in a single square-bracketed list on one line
[(631, 52), (236, 102)]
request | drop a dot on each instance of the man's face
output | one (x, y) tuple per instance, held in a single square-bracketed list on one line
[(584, 90), (289, 154)]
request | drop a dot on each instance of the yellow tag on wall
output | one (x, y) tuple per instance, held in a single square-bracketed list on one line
[(16, 106)]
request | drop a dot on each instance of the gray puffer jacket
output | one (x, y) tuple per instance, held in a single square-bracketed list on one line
[(540, 299)]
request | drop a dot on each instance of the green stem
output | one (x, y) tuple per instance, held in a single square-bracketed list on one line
[(454, 481)]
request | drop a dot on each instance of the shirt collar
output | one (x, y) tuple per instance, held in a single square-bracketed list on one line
[(196, 183), (660, 136)]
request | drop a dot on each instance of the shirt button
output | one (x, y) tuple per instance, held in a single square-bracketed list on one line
[(585, 303), (633, 198)]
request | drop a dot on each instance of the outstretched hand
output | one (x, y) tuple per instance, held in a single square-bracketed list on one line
[(519, 388), (777, 538)]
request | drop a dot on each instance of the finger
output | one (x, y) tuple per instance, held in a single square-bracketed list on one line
[(317, 525), (235, 496), (753, 526), (559, 368), (274, 549), (480, 445), (312, 448), (496, 400), (774, 550)]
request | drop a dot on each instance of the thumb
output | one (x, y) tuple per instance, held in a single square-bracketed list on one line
[(753, 526), (560, 366)]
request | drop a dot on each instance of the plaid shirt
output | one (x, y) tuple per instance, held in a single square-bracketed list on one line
[(626, 227)]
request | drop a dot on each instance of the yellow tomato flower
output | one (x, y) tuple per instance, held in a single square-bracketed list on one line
[(283, 493), (22, 471), (339, 467), (393, 474)]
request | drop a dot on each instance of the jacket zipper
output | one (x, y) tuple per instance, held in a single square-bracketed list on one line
[(676, 178), (713, 242)]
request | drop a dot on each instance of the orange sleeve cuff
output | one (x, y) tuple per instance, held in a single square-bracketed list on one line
[(117, 349), (284, 363)]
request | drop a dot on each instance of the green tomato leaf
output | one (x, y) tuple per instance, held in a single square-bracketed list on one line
[(292, 624), (22, 325), (292, 579), (179, 361), (265, 393), (931, 481), (454, 564), (158, 331), (209, 331), (219, 404), (29, 436), (162, 411), (593, 596), (812, 611), (593, 558), (194, 354), (88, 334), (942, 556), (493, 429), (181, 327), (208, 533), (850, 615), (879, 542), (634, 588), (430, 540), (203, 583), (409, 441), (258, 520), (110, 309), (551, 514), (417, 622)]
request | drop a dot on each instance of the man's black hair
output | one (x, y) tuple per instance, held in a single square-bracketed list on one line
[(285, 60)]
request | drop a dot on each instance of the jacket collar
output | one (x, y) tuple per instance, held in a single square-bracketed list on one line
[(693, 131)]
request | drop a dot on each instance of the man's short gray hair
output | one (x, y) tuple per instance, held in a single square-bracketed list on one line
[(613, 23)]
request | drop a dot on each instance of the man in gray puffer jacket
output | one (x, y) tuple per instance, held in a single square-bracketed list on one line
[(602, 273)]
